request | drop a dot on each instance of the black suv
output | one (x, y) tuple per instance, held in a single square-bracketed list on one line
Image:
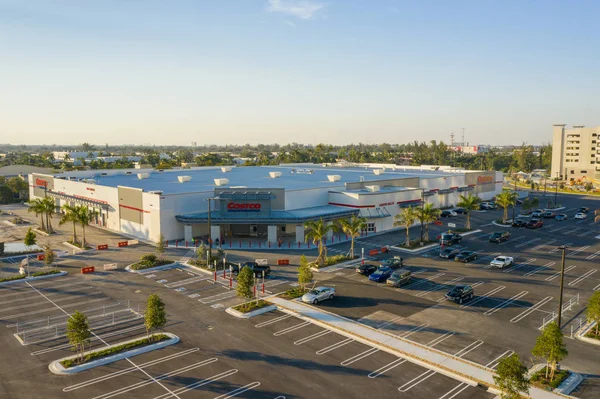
[(366, 269), (583, 209), (460, 293), (255, 267), (449, 239), (499, 236)]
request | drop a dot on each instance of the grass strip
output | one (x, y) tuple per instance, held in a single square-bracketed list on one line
[(22, 276)]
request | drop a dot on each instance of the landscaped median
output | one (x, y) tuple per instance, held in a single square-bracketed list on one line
[(251, 309), (34, 276), (112, 353), (588, 334), (150, 262), (434, 245)]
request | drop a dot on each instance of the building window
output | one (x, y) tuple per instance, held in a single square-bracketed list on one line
[(371, 227), (584, 171), (572, 172)]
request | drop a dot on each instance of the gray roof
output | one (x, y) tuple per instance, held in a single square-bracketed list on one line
[(16, 170)]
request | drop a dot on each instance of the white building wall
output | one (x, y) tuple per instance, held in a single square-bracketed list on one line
[(177, 204), (299, 199)]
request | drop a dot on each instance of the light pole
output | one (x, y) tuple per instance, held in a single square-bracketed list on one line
[(515, 196), (556, 190), (208, 255), (562, 279)]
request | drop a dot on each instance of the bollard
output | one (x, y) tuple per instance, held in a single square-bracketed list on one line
[(215, 275), (263, 288), (176, 243), (254, 290), (167, 243), (186, 244), (269, 244), (224, 276), (230, 282)]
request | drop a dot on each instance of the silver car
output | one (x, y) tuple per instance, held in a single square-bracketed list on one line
[(318, 294)]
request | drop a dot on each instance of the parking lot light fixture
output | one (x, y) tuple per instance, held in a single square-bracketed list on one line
[(563, 248)]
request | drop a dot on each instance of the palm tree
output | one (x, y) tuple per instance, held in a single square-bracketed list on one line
[(84, 217), (318, 230), (426, 215), (37, 206), (506, 199), (526, 205), (49, 210), (406, 218), (71, 214), (597, 216), (352, 227), (469, 203)]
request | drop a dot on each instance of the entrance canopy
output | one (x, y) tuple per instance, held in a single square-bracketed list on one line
[(79, 200), (296, 216)]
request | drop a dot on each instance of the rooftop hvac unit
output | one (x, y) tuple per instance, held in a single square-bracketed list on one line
[(221, 182), (127, 173), (183, 179), (143, 175), (155, 192), (103, 174), (238, 187), (225, 169), (89, 181), (362, 178), (373, 189), (274, 175), (333, 178), (379, 171)]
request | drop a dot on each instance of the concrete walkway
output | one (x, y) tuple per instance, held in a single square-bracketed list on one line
[(439, 361)]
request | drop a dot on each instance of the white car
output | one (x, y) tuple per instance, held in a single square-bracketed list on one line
[(502, 261), (318, 294), (580, 215)]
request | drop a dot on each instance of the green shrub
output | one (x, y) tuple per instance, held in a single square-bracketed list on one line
[(142, 266), (332, 260), (293, 293), (149, 259), (250, 306), (117, 349), (539, 379)]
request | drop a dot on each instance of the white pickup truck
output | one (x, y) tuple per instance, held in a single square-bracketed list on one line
[(502, 261)]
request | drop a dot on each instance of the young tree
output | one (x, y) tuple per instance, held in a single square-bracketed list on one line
[(593, 310), (469, 203), (245, 282), (49, 255), (305, 275), (318, 230), (78, 332), (511, 377), (155, 317), (201, 251), (30, 238), (526, 205), (70, 215), (160, 244), (597, 216), (427, 214), (49, 207), (504, 200), (352, 228), (406, 218), (37, 206), (550, 347), (535, 202)]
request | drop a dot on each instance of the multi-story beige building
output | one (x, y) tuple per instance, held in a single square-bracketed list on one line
[(575, 152)]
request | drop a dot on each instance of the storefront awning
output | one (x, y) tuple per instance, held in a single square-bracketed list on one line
[(326, 212), (375, 213), (79, 200)]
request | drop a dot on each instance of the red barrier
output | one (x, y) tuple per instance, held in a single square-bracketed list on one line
[(385, 250), (101, 247), (86, 270), (373, 252), (254, 290), (438, 223), (215, 275), (283, 262), (122, 244), (41, 257)]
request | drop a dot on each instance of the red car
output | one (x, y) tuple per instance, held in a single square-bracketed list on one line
[(534, 224)]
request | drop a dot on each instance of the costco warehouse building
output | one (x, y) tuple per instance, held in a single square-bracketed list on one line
[(270, 203)]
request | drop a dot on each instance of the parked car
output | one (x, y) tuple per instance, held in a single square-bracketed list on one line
[(449, 253), (318, 294), (488, 206), (502, 261), (583, 210), (255, 267), (465, 256), (519, 223), (499, 236), (461, 211), (460, 293), (447, 213), (580, 215), (537, 213), (450, 238), (394, 263), (549, 215), (399, 277), (561, 217), (534, 224), (366, 269), (381, 274)]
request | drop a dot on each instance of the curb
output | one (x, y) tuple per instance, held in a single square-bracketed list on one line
[(337, 266), (56, 368), (249, 315), (565, 387), (581, 334), (21, 280), (501, 225), (150, 269), (430, 246), (76, 249)]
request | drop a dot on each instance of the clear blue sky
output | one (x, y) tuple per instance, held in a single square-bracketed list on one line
[(260, 71)]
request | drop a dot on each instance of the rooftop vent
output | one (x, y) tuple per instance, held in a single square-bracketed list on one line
[(379, 171), (578, 126), (274, 175), (103, 174), (128, 173), (221, 182), (155, 192), (89, 181), (183, 179), (333, 178), (226, 169), (362, 178), (142, 175), (373, 189)]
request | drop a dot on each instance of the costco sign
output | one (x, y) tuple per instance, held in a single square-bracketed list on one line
[(40, 182), (485, 179), (235, 207)]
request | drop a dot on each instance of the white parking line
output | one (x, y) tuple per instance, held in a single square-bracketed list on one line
[(240, 390), (592, 256), (530, 310), (387, 368), (484, 296), (578, 250), (586, 233), (596, 288), (539, 269), (292, 328), (275, 320), (29, 305), (334, 346), (469, 348), (130, 369), (439, 286), (217, 297), (389, 322), (414, 330), (494, 363), (582, 277), (311, 337), (198, 384), (554, 250), (506, 303), (422, 281), (519, 265), (486, 258), (360, 356), (186, 281), (22, 299), (51, 309), (523, 244), (555, 275), (439, 339), (543, 245), (455, 391)]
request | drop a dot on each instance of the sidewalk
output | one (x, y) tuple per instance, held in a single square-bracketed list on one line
[(441, 362)]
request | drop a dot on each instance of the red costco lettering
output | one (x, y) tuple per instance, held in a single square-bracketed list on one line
[(242, 207), (485, 179), (40, 182)]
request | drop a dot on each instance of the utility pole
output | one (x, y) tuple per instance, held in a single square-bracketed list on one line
[(422, 208), (208, 255), (562, 279)]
